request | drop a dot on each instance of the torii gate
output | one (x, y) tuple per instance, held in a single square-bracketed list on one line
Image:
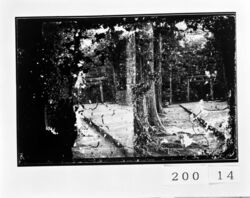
[(200, 78), (97, 81)]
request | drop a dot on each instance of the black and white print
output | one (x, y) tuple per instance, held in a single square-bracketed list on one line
[(126, 89)]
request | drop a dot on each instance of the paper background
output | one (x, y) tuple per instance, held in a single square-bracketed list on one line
[(110, 180)]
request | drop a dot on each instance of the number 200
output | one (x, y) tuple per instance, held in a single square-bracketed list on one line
[(185, 176)]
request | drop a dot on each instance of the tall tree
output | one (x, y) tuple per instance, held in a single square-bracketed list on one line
[(146, 118), (158, 71)]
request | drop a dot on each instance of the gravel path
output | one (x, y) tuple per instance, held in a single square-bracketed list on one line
[(115, 120)]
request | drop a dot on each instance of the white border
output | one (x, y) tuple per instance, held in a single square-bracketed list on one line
[(111, 180)]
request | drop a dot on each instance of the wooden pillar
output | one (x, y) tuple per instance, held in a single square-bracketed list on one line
[(46, 116), (114, 89), (101, 92), (170, 86), (188, 90), (211, 89)]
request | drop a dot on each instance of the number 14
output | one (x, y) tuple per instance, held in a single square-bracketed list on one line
[(229, 175)]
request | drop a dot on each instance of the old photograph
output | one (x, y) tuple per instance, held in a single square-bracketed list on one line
[(126, 89)]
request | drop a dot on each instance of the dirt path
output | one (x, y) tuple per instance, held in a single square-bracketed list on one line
[(111, 132), (104, 131), (116, 120), (90, 144), (186, 136)]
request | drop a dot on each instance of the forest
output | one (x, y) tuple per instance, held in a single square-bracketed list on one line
[(126, 89)]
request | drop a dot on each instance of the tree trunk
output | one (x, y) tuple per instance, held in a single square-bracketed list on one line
[(150, 95), (158, 70), (227, 47), (146, 118), (130, 67)]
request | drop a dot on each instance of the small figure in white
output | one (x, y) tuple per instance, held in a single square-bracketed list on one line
[(203, 112)]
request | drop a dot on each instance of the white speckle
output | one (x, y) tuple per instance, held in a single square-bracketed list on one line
[(164, 141), (186, 140), (182, 43), (181, 25)]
